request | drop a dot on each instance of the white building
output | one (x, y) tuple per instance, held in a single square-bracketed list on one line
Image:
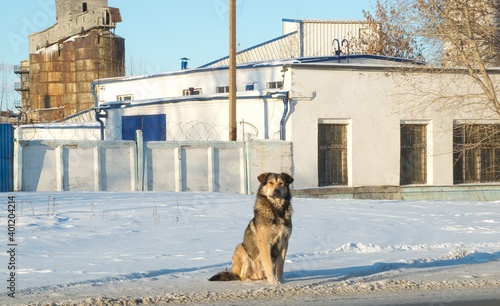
[(368, 122)]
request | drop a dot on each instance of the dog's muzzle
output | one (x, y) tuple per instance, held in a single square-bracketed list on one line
[(279, 193)]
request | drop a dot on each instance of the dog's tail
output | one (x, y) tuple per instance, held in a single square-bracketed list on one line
[(224, 277)]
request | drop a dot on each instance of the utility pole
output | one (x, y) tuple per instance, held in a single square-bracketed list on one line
[(232, 70)]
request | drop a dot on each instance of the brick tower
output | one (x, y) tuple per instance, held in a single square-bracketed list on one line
[(66, 58)]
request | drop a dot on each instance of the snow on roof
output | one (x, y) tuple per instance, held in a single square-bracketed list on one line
[(325, 21), (359, 59), (55, 46), (254, 94)]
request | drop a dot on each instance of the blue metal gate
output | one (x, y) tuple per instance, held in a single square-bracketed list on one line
[(153, 127), (6, 157)]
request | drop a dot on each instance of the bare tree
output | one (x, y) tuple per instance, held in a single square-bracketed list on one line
[(385, 36), (4, 86), (135, 65), (460, 40), (456, 34)]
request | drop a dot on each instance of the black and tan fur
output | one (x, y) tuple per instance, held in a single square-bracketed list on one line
[(262, 253)]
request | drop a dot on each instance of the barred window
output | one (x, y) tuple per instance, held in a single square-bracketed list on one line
[(332, 154), (476, 153), (413, 157)]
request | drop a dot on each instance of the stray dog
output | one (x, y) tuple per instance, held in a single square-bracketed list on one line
[(262, 253)]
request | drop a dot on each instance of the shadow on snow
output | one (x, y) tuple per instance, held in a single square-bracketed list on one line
[(362, 271), (332, 274), (122, 277)]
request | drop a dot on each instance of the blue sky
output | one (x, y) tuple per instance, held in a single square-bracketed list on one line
[(159, 32)]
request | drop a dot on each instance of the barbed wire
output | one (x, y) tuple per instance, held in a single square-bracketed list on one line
[(195, 131), (86, 128), (85, 116), (61, 131), (202, 131)]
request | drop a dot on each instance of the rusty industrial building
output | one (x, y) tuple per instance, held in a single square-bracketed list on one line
[(66, 58)]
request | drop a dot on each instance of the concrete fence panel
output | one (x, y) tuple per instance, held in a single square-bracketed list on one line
[(195, 166), (268, 156), (79, 167), (212, 166), (76, 165), (118, 166), (40, 167)]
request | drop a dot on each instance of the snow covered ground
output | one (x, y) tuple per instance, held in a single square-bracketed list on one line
[(101, 248)]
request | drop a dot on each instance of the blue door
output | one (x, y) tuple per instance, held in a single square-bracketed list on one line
[(6, 157), (153, 127)]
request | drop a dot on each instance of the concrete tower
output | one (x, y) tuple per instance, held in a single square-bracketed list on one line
[(65, 8), (66, 58)]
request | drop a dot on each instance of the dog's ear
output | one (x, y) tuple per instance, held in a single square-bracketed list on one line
[(288, 178), (263, 177)]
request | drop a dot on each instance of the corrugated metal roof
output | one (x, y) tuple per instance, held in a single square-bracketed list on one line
[(318, 37), (311, 38), (286, 46)]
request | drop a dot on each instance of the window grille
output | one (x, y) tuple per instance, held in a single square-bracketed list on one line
[(476, 153), (413, 158), (332, 154), (125, 97), (191, 91), (222, 89)]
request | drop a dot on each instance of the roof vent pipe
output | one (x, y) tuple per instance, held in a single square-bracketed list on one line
[(184, 63)]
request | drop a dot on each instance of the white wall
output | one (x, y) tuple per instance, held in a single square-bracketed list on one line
[(60, 131), (228, 167), (208, 120), (374, 103), (372, 99), (171, 84)]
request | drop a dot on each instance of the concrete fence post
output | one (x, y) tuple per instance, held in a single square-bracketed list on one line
[(247, 169), (140, 160), (18, 160)]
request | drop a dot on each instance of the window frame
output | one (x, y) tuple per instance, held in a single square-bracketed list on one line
[(333, 155), (274, 85), (222, 89), (192, 91), (127, 97), (476, 153), (413, 162)]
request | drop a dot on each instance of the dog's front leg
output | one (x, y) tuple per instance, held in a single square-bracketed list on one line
[(267, 263), (280, 263)]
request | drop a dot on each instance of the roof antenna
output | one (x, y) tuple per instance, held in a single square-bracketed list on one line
[(347, 43), (338, 51)]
